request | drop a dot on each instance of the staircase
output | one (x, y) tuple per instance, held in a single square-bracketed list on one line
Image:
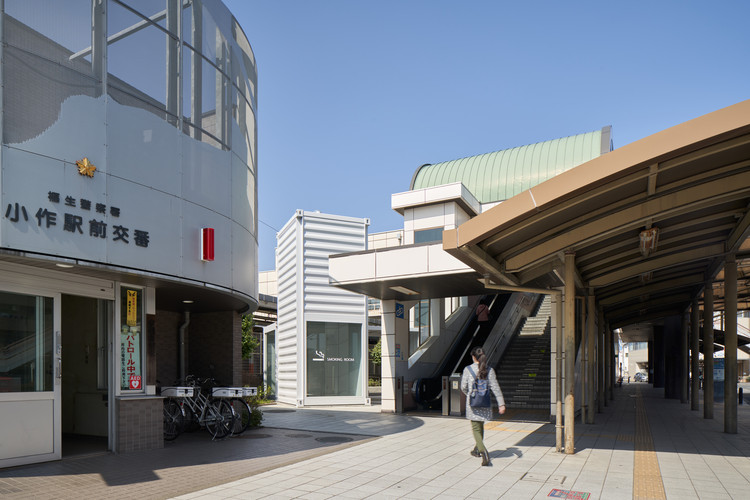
[(524, 370)]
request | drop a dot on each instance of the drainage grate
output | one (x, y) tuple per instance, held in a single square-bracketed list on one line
[(334, 439), (543, 478), (298, 435), (278, 410)]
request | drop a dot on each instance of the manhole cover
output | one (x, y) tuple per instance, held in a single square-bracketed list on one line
[(298, 435), (334, 439), (254, 436), (280, 410)]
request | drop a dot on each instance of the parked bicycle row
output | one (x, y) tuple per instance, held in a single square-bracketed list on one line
[(200, 403)]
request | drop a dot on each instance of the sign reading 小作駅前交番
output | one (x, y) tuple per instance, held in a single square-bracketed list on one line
[(101, 220)]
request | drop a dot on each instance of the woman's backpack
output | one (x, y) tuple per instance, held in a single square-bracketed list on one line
[(479, 397)]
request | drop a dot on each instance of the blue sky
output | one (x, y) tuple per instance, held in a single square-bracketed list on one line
[(355, 95)]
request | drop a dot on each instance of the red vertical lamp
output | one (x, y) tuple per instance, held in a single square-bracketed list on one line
[(207, 244)]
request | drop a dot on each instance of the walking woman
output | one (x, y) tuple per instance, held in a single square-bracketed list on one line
[(480, 414)]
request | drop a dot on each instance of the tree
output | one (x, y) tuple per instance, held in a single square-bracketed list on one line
[(375, 353), (249, 343)]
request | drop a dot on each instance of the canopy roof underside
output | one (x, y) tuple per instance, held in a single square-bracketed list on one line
[(691, 182)]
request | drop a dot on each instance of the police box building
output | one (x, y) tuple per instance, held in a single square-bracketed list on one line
[(128, 241)]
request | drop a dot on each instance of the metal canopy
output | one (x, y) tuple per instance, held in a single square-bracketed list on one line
[(691, 182)]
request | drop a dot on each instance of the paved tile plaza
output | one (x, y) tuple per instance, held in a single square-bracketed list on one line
[(641, 446)]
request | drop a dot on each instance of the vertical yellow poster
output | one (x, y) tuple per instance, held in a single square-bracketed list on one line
[(131, 317)]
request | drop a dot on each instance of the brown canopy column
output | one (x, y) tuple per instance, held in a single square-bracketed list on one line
[(708, 350), (570, 351), (730, 345), (694, 355), (591, 357)]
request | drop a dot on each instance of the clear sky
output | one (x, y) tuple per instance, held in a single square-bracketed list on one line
[(355, 95)]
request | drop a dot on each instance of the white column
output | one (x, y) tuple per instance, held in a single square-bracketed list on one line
[(394, 337)]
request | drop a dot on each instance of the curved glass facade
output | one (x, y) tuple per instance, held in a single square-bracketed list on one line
[(159, 97)]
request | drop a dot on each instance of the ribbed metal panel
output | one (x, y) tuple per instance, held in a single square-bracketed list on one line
[(503, 174), (325, 235), (286, 336)]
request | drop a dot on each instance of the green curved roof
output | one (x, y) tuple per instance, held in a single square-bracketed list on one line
[(503, 174)]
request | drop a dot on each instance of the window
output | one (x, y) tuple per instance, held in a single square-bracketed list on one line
[(25, 343), (428, 235), (334, 358), (419, 325)]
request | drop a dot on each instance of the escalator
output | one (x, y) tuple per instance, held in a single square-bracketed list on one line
[(428, 391)]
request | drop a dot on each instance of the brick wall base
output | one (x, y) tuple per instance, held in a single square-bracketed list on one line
[(139, 424)]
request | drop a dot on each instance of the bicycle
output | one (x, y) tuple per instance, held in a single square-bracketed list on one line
[(174, 414), (216, 416), (243, 410), (174, 418)]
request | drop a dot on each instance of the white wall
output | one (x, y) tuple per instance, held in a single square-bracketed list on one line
[(287, 267)]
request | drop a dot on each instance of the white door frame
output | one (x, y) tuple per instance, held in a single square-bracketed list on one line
[(48, 283)]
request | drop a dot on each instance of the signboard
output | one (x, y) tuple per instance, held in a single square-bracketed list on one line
[(131, 315), (718, 380), (131, 340), (78, 216), (718, 369), (399, 310)]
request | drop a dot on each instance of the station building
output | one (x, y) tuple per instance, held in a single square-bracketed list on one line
[(128, 230), (644, 242)]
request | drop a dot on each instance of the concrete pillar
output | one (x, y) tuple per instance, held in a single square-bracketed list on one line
[(394, 337), (694, 351), (708, 350), (684, 359), (570, 351), (591, 352), (730, 345), (601, 366)]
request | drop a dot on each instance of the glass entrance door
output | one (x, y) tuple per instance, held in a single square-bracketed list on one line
[(30, 367)]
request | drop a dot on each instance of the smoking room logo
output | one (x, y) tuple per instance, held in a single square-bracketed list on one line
[(320, 356)]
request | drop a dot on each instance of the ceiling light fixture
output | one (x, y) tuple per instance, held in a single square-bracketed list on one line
[(649, 240), (187, 301), (64, 266), (403, 289)]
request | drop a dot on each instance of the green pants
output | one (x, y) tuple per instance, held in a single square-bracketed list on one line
[(477, 428)]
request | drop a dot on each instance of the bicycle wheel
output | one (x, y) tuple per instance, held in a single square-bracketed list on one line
[(242, 415), (191, 419), (219, 418), (173, 419)]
